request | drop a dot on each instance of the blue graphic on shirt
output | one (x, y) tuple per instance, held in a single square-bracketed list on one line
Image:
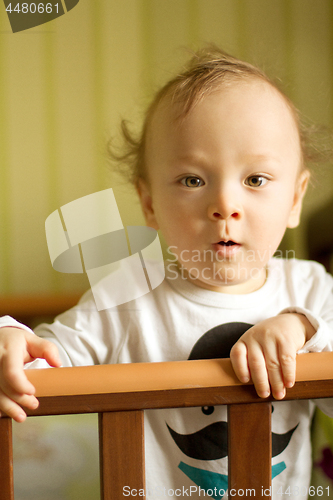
[(214, 482), (206, 479)]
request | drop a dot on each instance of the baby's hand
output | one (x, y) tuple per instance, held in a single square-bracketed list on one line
[(17, 347), (266, 353)]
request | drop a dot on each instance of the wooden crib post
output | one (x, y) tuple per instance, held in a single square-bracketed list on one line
[(6, 460), (121, 442), (250, 449)]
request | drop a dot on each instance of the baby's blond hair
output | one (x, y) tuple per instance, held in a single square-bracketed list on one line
[(208, 70)]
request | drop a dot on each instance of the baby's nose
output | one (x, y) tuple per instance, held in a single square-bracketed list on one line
[(224, 206)]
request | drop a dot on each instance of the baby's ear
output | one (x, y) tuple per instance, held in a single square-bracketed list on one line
[(146, 201), (300, 190)]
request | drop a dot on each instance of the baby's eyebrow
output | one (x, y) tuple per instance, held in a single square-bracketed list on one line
[(186, 163), (197, 158), (262, 159)]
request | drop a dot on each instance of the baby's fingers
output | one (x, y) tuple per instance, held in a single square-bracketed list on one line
[(11, 407), (288, 365), (281, 366), (13, 379), (258, 370), (275, 378), (250, 365), (238, 357)]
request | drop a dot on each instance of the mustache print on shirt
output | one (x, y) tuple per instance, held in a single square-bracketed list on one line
[(211, 442)]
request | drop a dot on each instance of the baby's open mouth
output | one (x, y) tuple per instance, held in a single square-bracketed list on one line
[(226, 248), (228, 243)]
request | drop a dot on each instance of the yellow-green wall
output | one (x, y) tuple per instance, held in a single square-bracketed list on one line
[(65, 85)]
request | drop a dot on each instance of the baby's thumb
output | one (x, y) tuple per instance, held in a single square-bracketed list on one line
[(41, 348)]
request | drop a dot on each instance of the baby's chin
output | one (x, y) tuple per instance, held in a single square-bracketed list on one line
[(224, 283)]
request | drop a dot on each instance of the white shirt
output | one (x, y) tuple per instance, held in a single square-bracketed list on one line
[(165, 325)]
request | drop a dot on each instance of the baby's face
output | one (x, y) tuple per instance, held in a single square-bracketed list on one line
[(224, 184)]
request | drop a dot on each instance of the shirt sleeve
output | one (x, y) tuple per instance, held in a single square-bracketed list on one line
[(8, 321), (84, 336), (322, 340), (312, 295)]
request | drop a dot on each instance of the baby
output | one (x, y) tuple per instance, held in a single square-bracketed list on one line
[(220, 169)]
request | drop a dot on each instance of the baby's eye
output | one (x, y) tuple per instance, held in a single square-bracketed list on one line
[(256, 181), (192, 181)]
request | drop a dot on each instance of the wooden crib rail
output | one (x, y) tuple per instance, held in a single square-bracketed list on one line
[(120, 394)]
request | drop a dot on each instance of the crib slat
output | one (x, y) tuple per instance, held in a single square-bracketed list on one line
[(121, 441), (6, 460), (250, 449)]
